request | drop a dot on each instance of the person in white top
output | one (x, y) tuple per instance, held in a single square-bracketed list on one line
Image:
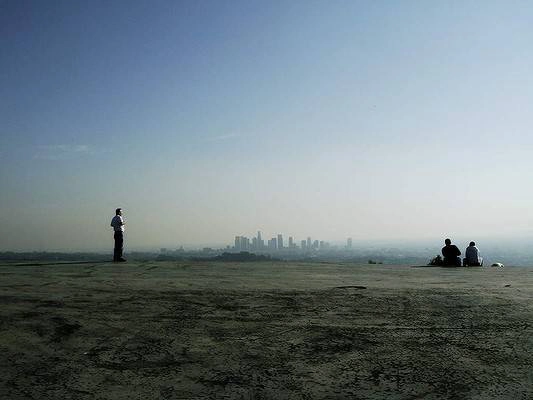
[(118, 226), (472, 257)]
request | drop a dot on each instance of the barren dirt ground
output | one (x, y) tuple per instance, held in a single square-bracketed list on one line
[(166, 330)]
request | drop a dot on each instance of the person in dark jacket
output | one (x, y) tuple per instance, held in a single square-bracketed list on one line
[(451, 254)]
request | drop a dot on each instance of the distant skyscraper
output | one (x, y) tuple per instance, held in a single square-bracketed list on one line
[(260, 242), (349, 243), (254, 244), (245, 243), (272, 244), (315, 244), (280, 241), (309, 243), (291, 242), (304, 244), (237, 243)]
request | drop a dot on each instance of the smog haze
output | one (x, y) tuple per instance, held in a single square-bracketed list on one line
[(400, 121)]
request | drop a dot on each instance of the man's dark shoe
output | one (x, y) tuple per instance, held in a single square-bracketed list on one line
[(122, 259)]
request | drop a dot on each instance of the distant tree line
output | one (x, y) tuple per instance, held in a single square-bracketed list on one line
[(237, 257), (138, 256)]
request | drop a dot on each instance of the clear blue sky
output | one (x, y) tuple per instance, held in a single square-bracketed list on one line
[(209, 119)]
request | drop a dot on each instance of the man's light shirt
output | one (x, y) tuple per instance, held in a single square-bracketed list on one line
[(117, 223)]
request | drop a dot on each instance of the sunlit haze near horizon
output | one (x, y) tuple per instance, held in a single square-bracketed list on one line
[(204, 120)]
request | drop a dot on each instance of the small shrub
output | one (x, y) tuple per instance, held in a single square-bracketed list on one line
[(436, 261)]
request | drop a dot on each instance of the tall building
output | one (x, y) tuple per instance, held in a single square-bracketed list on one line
[(291, 242), (304, 244), (280, 241), (260, 242), (315, 244), (349, 243), (237, 243), (272, 244), (309, 244)]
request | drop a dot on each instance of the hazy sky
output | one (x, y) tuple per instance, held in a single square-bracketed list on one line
[(209, 119)]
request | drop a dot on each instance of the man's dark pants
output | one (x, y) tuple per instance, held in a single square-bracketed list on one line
[(455, 261), (119, 245)]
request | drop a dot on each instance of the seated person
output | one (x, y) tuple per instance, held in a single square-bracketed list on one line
[(451, 254), (472, 257)]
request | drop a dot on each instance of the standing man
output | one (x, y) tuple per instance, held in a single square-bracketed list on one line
[(118, 226)]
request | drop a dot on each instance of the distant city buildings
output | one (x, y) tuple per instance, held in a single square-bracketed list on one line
[(243, 243), (260, 242), (274, 244)]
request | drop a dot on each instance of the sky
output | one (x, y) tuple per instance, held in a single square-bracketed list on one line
[(377, 120)]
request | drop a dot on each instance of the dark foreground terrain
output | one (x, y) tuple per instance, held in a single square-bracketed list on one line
[(163, 330)]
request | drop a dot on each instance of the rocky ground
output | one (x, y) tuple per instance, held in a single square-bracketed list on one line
[(166, 330)]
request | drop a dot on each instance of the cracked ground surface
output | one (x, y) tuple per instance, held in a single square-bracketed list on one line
[(163, 330)]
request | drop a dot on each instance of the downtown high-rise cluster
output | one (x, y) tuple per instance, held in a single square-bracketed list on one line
[(243, 243)]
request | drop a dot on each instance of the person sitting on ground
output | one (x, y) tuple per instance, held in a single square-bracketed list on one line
[(451, 254), (472, 257)]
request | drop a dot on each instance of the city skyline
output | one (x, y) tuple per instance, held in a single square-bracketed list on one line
[(243, 243)]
